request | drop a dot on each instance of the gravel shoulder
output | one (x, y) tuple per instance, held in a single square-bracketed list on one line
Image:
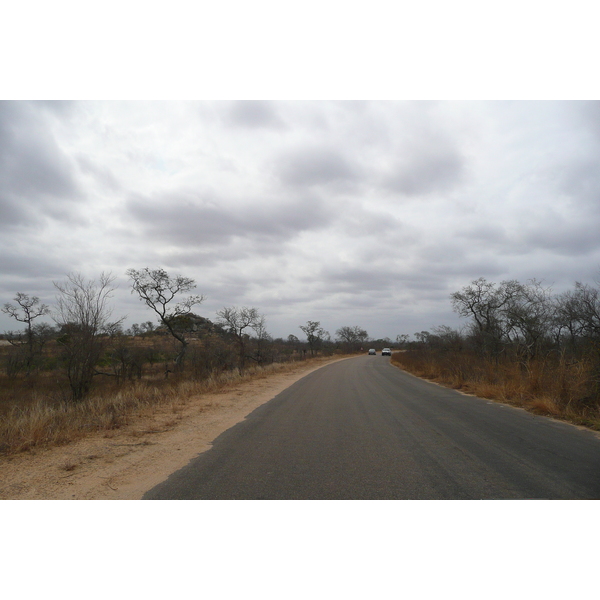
[(123, 464)]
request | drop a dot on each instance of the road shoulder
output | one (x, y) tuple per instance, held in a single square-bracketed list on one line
[(123, 464)]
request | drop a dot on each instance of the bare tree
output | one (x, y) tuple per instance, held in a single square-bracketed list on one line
[(26, 310), (82, 313), (237, 321), (263, 339), (486, 303), (315, 335), (586, 305), (530, 317), (578, 312), (586, 301), (159, 291)]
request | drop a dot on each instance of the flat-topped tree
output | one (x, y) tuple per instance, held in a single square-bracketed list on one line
[(27, 309), (160, 291), (352, 337)]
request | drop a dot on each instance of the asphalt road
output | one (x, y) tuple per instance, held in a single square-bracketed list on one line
[(363, 429)]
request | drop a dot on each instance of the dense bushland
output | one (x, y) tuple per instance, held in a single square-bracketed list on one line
[(522, 344)]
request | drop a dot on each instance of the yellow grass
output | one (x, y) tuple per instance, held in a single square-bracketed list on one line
[(46, 423), (547, 386)]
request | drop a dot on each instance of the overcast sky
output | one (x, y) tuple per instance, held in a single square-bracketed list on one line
[(345, 212)]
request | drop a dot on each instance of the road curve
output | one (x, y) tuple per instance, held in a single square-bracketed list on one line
[(363, 429)]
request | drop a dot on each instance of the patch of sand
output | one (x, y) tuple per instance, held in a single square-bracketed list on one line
[(123, 464)]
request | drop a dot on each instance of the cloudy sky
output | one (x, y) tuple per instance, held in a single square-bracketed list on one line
[(365, 213)]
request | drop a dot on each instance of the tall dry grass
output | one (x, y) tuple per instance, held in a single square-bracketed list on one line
[(551, 385), (45, 421)]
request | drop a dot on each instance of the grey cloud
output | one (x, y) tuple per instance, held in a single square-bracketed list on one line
[(58, 107), (589, 115), (30, 160), (560, 273), (224, 289), (28, 265), (313, 166), (189, 220), (254, 114), (36, 177), (207, 257), (444, 258), (563, 238), (101, 174), (425, 170), (360, 222), (581, 181), (183, 222), (357, 278), (474, 266), (489, 234), (12, 213)]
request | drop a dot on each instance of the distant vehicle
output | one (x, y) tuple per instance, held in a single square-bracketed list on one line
[(386, 352), (372, 351)]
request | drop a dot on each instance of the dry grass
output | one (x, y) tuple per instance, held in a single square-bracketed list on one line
[(46, 422), (549, 386)]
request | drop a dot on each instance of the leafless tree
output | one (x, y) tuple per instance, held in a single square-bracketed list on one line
[(587, 306), (578, 312), (262, 338), (160, 292), (529, 317), (83, 315), (486, 304), (237, 321)]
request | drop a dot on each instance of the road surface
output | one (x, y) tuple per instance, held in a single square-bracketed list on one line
[(363, 429)]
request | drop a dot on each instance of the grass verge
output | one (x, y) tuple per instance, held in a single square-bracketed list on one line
[(44, 423), (551, 388)]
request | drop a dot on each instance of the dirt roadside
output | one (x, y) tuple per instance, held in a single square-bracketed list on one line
[(123, 464)]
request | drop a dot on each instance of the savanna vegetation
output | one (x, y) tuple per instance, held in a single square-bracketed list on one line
[(522, 344), (84, 372)]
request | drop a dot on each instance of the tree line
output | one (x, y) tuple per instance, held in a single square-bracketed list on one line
[(86, 341), (522, 319), (551, 335)]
